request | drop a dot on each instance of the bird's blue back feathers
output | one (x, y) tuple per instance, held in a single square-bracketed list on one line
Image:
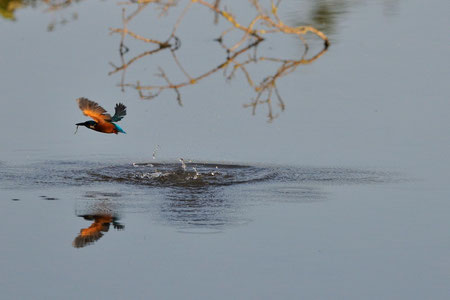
[(118, 128)]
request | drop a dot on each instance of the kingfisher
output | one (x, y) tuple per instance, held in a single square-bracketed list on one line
[(103, 122), (92, 234)]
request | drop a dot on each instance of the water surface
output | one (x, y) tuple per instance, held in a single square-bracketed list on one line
[(343, 195)]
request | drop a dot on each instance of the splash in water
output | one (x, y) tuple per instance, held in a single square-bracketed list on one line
[(183, 164), (196, 173)]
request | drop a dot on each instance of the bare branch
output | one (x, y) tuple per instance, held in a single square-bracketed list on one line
[(266, 22)]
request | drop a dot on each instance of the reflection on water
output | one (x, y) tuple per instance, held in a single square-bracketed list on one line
[(240, 41), (197, 207), (9, 7), (102, 212), (326, 15), (100, 224), (241, 54)]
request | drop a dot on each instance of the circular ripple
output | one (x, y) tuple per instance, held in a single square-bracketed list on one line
[(176, 175), (195, 175)]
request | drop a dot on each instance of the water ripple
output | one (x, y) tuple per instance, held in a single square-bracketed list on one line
[(190, 175)]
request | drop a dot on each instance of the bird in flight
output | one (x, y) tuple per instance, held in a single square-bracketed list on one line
[(103, 122)]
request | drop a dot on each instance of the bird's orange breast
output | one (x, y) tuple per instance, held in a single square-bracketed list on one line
[(105, 127), (101, 223)]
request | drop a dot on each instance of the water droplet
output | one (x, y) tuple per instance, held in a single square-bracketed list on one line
[(196, 172), (155, 151)]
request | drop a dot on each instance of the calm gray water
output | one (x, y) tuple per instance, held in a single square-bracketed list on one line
[(344, 195)]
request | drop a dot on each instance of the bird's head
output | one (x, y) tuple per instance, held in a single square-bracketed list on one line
[(88, 124)]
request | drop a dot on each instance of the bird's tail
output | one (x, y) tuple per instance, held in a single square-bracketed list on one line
[(118, 128)]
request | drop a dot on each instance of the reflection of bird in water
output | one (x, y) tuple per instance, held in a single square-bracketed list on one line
[(92, 234), (103, 121)]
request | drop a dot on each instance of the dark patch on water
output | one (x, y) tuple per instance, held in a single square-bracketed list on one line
[(102, 195), (49, 198)]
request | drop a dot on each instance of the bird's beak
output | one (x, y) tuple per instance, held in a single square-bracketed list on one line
[(80, 124)]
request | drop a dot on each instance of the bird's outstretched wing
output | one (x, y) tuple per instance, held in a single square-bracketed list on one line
[(93, 110), (120, 112)]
